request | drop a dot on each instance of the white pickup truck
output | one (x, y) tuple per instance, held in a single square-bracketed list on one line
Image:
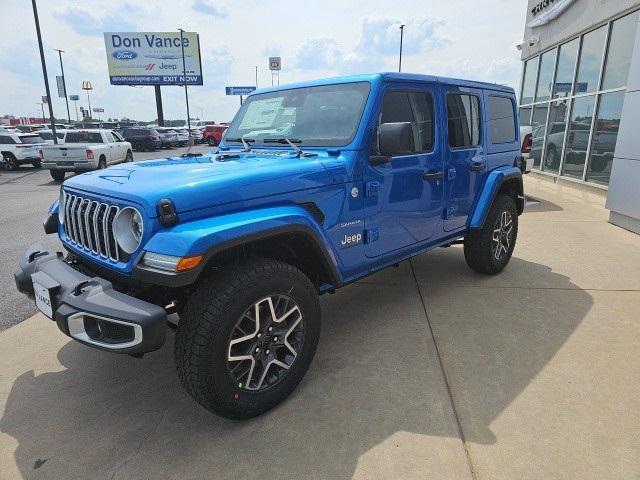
[(85, 150)]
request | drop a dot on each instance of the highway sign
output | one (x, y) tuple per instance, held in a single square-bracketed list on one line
[(239, 90), (275, 64)]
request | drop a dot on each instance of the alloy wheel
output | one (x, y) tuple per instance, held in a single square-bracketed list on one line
[(502, 233), (265, 343)]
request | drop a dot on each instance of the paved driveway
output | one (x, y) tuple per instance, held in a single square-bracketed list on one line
[(423, 371)]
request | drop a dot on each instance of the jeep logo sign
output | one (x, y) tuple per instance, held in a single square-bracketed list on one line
[(351, 240)]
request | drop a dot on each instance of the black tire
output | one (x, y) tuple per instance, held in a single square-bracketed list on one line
[(37, 164), (102, 163), (210, 318), (9, 162), (57, 175), (480, 245), (129, 156)]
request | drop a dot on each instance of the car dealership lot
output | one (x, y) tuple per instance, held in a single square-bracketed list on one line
[(424, 371), (26, 195)]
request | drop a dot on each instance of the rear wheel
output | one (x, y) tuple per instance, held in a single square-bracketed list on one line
[(246, 337), (489, 249), (102, 163), (57, 175), (9, 162)]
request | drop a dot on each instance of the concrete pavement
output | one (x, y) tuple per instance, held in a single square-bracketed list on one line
[(424, 371)]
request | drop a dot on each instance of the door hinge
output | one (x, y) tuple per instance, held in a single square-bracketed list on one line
[(371, 235), (372, 188)]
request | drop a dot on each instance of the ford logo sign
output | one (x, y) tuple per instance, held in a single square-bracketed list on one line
[(124, 55)]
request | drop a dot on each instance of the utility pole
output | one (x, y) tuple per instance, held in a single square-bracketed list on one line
[(42, 107), (256, 76), (184, 76), (400, 61), (44, 72), (64, 83)]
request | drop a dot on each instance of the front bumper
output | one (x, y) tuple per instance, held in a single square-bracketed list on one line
[(88, 309)]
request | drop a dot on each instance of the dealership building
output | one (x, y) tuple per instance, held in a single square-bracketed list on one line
[(580, 93)]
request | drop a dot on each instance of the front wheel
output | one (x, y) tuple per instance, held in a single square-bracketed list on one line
[(129, 156), (57, 175), (246, 337), (489, 249)]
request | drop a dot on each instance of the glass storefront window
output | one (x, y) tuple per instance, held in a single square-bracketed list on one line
[(623, 34), (545, 79), (605, 134), (538, 127), (563, 86), (555, 136), (578, 136), (529, 83), (590, 60), (524, 115)]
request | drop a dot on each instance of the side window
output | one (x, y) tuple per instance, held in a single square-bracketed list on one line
[(501, 121), (108, 137), (118, 137), (5, 140), (463, 120), (415, 108)]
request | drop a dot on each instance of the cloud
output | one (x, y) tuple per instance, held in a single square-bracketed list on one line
[(85, 22), (216, 63), (381, 35), (207, 7), (379, 42)]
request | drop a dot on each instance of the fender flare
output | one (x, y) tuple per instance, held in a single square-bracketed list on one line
[(492, 185), (212, 236)]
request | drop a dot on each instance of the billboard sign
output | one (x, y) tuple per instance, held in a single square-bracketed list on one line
[(74, 98), (239, 90), (152, 58), (45, 99)]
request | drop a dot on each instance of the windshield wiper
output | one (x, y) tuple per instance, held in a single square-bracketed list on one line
[(292, 143), (245, 142)]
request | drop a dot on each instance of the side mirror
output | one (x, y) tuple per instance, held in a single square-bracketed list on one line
[(396, 138)]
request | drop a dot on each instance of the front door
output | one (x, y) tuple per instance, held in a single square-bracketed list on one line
[(403, 197), (465, 156)]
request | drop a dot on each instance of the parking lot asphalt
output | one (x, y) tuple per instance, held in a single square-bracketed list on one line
[(26, 195), (423, 371)]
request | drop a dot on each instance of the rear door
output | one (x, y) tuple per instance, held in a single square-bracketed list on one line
[(466, 164), (403, 198)]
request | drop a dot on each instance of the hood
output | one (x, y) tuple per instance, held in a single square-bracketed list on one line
[(204, 181)]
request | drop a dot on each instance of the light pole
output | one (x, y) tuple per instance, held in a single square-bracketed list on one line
[(400, 61), (184, 76), (44, 71), (64, 84)]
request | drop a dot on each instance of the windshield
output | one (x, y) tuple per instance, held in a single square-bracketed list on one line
[(326, 115), (31, 139), (83, 137)]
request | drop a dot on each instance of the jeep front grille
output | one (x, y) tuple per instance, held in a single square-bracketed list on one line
[(89, 225)]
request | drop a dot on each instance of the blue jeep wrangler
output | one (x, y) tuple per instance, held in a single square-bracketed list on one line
[(314, 186)]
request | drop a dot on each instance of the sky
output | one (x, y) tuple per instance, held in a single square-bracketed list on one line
[(472, 39)]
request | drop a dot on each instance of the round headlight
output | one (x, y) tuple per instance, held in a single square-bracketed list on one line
[(128, 228), (61, 207)]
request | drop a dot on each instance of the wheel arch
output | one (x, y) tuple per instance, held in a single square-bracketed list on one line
[(504, 180)]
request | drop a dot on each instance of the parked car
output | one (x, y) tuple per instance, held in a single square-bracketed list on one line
[(168, 137), (47, 135), (183, 136), (85, 150), (240, 242), (212, 134), (525, 147), (142, 138), (19, 149), (196, 133)]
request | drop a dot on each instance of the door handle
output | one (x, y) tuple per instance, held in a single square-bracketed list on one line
[(433, 175), (477, 165)]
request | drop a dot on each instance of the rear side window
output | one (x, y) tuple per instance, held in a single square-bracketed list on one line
[(502, 124), (6, 140), (463, 120), (415, 108), (31, 139), (83, 137)]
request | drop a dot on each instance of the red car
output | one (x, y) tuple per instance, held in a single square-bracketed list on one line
[(213, 133)]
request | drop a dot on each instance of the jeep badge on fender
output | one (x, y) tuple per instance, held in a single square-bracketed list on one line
[(300, 199)]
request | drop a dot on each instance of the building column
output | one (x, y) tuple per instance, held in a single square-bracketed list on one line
[(623, 197)]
